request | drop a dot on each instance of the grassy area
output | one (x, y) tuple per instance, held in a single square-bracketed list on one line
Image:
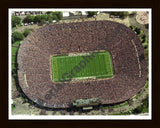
[(13, 66), (145, 45), (142, 108), (106, 107), (147, 84), (82, 66), (123, 104), (115, 106), (13, 59), (143, 39), (13, 107), (123, 113), (14, 50), (17, 43), (140, 33)]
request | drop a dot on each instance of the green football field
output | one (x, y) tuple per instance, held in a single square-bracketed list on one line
[(97, 65)]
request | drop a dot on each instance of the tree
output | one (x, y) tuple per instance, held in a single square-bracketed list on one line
[(115, 13), (17, 36), (55, 18), (132, 27), (124, 14), (137, 30), (144, 39), (50, 17), (48, 12), (44, 16), (142, 108), (50, 20), (120, 14), (15, 21), (147, 26), (26, 32), (92, 13), (42, 21), (37, 18), (29, 19), (59, 15), (134, 13)]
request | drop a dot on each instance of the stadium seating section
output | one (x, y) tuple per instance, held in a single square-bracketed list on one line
[(34, 63)]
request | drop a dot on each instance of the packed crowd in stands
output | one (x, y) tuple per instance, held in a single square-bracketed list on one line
[(36, 50)]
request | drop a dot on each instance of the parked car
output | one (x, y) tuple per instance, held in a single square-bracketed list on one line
[(54, 21), (25, 24)]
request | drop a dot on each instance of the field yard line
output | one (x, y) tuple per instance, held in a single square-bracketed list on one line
[(101, 63), (110, 64), (99, 67), (106, 64), (96, 67), (52, 69), (57, 68)]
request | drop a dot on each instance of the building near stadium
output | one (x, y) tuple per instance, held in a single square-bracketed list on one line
[(61, 64)]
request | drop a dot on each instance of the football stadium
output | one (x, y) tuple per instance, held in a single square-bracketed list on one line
[(81, 64)]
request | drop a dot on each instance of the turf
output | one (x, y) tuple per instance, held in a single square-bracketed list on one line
[(13, 59), (13, 66), (100, 66), (14, 50), (17, 43)]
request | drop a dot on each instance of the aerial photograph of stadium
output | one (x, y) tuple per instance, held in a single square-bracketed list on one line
[(79, 62)]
